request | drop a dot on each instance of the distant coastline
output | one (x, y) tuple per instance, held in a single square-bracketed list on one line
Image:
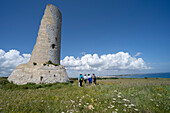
[(148, 75)]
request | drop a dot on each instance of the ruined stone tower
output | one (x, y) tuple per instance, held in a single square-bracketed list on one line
[(48, 43), (43, 66)]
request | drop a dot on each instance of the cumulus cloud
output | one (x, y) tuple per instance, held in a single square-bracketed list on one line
[(9, 60), (118, 61), (138, 53), (83, 53)]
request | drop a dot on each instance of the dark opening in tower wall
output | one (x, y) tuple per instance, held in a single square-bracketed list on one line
[(41, 78), (53, 46)]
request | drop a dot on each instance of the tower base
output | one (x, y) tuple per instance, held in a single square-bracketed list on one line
[(29, 73)]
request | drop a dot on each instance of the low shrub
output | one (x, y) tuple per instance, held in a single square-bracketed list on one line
[(56, 64), (50, 62), (145, 77)]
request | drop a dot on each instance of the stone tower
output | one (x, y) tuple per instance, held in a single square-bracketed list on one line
[(48, 43), (47, 48)]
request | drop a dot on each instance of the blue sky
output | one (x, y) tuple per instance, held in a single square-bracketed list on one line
[(94, 27)]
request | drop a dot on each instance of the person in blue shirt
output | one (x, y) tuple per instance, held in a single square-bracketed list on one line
[(80, 80), (89, 78)]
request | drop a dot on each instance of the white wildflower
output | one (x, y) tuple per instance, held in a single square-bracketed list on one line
[(114, 112), (114, 98), (159, 94), (151, 99), (118, 96), (132, 95), (79, 104), (125, 104), (119, 102), (116, 109), (87, 103), (133, 105), (90, 107), (124, 99), (112, 106), (115, 91), (72, 110), (127, 100), (124, 110), (72, 101), (136, 109), (113, 101)]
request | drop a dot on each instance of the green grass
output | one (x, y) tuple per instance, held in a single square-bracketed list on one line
[(110, 95)]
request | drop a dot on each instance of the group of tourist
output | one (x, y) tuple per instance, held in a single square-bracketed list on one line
[(86, 78)]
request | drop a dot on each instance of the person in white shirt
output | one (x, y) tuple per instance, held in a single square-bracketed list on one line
[(85, 79)]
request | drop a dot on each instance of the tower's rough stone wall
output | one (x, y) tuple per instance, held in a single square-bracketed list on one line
[(48, 43), (47, 48)]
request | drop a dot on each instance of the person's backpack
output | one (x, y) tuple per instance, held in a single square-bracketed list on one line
[(81, 78)]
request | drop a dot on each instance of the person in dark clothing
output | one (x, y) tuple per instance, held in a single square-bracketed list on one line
[(94, 79), (80, 80)]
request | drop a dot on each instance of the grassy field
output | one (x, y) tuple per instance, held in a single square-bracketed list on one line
[(110, 95)]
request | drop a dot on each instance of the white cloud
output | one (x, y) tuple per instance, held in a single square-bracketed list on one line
[(9, 60), (83, 53), (118, 61), (138, 53), (107, 64)]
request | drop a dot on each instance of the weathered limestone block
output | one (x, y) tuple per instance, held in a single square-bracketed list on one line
[(47, 48)]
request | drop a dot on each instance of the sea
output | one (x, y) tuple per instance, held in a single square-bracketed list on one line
[(152, 75)]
